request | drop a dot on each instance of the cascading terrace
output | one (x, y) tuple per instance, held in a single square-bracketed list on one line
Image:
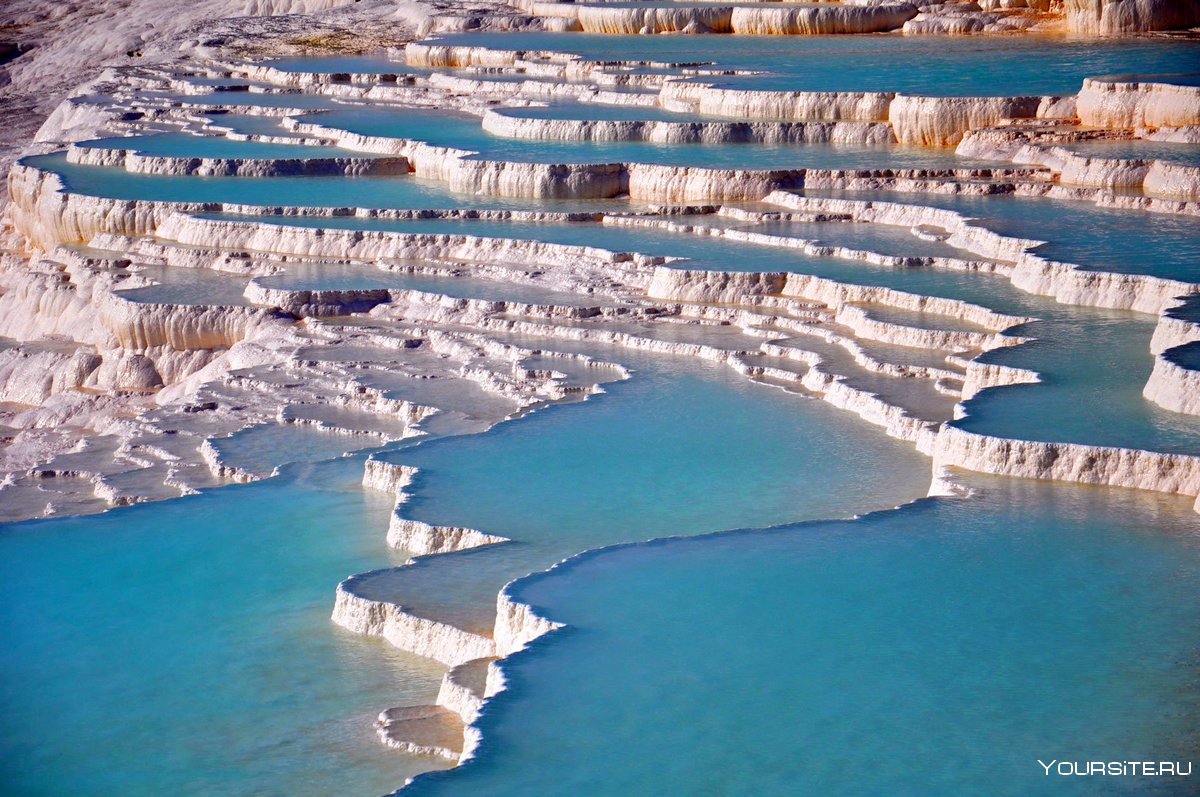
[(481, 262)]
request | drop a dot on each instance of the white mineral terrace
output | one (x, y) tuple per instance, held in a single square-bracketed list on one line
[(143, 339)]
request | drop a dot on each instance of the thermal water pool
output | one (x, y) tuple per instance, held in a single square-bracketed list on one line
[(1094, 362), (939, 649), (463, 131), (933, 65), (629, 465), (189, 643), (228, 677), (1181, 154), (310, 191), (1095, 237), (183, 145)]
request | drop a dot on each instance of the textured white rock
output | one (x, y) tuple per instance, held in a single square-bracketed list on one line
[(140, 163), (439, 641), (784, 20), (1117, 467), (1125, 103), (387, 477), (464, 689), (422, 731), (517, 624), (941, 121), (981, 376), (663, 132), (421, 539), (441, 56), (698, 97), (31, 377), (142, 325), (618, 19), (1173, 386), (1173, 330), (1172, 180), (1109, 17)]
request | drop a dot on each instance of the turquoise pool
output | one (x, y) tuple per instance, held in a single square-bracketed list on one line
[(1181, 154), (933, 65), (183, 145), (229, 678), (925, 648), (196, 655), (323, 191), (463, 131), (1104, 239), (1093, 362), (940, 649), (627, 465)]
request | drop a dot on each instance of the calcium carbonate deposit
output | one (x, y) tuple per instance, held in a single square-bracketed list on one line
[(599, 397)]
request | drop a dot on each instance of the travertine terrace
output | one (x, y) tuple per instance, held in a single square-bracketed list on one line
[(121, 382)]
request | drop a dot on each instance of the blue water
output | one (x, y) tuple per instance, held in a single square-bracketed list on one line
[(463, 131), (1093, 369), (200, 658), (935, 65), (248, 124), (1187, 355), (185, 647), (1183, 79), (937, 650), (184, 145), (1179, 80), (629, 465), (332, 191), (221, 83), (1104, 239), (1093, 362), (1182, 154), (187, 286)]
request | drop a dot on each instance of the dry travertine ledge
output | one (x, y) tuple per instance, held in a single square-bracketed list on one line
[(196, 379), (185, 367)]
